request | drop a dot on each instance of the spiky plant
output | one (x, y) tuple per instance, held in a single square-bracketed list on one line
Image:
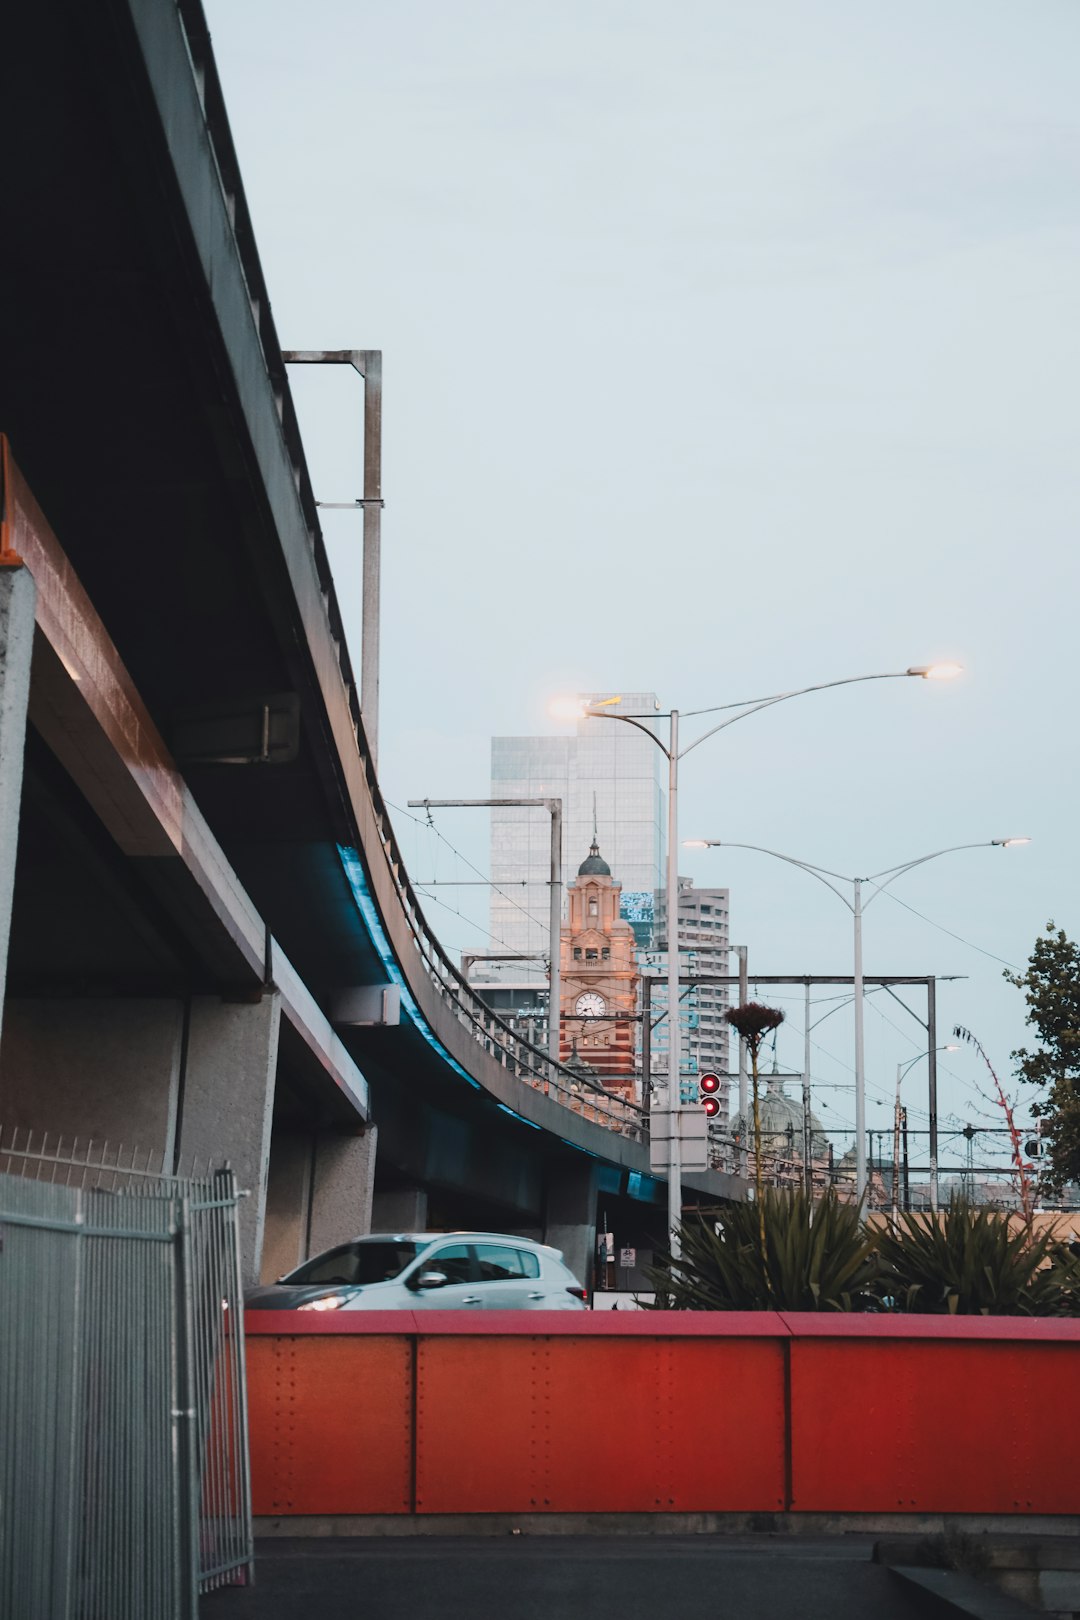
[(971, 1261), (816, 1257), (1025, 1183)]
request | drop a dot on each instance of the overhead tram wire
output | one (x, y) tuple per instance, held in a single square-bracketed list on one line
[(942, 929), (429, 824)]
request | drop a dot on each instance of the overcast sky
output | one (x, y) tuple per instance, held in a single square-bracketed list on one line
[(728, 348)]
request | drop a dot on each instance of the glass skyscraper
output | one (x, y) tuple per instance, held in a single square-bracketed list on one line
[(607, 770)]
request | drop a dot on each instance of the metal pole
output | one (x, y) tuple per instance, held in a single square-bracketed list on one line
[(808, 1169), (931, 1036), (674, 1100), (860, 1057), (895, 1200), (555, 931), (646, 1043), (369, 629), (907, 1185), (744, 1100)]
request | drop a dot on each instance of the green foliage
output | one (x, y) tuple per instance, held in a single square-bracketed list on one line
[(975, 1262), (1052, 990), (817, 1257)]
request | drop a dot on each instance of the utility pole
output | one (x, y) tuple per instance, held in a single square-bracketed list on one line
[(554, 809)]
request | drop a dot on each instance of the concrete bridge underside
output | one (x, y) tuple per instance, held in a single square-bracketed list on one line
[(191, 940)]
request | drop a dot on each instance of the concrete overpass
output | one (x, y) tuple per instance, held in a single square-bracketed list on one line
[(214, 945)]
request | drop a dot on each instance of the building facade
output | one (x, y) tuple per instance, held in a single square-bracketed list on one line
[(610, 778), (599, 978), (704, 947)]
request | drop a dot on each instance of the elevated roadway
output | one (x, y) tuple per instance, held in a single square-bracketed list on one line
[(151, 425)]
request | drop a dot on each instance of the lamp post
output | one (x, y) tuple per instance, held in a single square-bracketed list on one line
[(673, 754), (554, 810), (856, 905), (901, 1070)]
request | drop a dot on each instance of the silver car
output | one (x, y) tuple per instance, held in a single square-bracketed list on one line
[(415, 1271)]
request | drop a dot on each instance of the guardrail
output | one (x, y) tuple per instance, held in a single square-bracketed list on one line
[(528, 1062), (440, 1412)]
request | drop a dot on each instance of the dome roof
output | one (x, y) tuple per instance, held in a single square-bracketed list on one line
[(594, 864), (781, 1115)]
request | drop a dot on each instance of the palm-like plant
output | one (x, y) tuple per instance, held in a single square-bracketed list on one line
[(814, 1257), (975, 1262)]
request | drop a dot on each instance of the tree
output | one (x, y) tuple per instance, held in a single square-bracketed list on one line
[(1051, 987)]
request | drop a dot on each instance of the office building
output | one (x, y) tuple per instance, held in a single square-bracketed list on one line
[(610, 778), (704, 947)]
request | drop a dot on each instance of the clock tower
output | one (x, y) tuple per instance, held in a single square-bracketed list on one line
[(599, 977)]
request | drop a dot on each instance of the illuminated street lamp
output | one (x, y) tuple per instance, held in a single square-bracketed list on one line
[(577, 709)]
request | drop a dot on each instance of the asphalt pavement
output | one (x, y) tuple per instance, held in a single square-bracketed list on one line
[(552, 1577)]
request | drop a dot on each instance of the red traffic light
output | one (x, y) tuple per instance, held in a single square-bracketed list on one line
[(711, 1106), (708, 1083)]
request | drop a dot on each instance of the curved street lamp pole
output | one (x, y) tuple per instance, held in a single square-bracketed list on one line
[(901, 1070), (856, 905), (673, 753)]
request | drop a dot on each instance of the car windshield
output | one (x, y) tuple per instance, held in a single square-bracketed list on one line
[(358, 1263)]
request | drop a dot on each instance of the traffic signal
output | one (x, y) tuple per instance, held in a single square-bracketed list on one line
[(708, 1088)]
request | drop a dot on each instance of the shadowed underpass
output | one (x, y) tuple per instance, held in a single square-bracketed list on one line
[(546, 1578)]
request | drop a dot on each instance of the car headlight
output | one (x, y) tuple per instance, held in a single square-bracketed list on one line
[(329, 1302)]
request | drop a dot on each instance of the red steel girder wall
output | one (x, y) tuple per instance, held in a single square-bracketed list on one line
[(430, 1413)]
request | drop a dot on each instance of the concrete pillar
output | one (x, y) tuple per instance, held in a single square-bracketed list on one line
[(17, 600), (319, 1192), (288, 1196), (570, 1214), (97, 1069), (342, 1189), (400, 1209), (227, 1102)]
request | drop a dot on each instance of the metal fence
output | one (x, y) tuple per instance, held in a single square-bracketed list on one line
[(124, 1480)]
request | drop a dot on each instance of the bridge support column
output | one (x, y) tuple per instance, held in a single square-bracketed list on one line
[(342, 1188), (400, 1209), (17, 600), (101, 1069), (570, 1215), (227, 1101)]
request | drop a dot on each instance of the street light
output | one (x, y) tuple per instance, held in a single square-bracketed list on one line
[(901, 1070), (602, 710), (856, 906)]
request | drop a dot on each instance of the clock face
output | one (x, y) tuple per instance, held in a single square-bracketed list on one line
[(590, 1005)]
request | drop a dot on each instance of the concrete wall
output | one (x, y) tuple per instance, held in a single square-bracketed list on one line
[(103, 1069)]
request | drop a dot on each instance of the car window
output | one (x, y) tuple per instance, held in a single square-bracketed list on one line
[(357, 1263), (454, 1261), (499, 1262)]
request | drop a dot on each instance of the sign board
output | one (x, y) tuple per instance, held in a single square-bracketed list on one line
[(693, 1132), (628, 1258)]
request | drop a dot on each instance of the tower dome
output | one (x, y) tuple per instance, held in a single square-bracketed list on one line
[(594, 864)]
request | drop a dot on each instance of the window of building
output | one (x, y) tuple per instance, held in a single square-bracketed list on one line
[(590, 956), (577, 953), (605, 953)]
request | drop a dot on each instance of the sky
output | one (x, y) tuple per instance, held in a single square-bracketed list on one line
[(727, 349)]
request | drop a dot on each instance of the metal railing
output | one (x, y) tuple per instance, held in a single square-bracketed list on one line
[(579, 1092), (124, 1478)]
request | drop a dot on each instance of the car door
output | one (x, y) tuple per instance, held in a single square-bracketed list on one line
[(509, 1277), (460, 1292)]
